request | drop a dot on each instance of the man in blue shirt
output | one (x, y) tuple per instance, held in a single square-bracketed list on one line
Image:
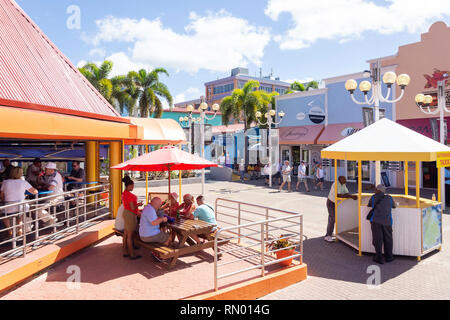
[(381, 224), (205, 213), (149, 229)]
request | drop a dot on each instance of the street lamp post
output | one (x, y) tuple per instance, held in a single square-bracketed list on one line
[(424, 103), (269, 123), (389, 78), (201, 120)]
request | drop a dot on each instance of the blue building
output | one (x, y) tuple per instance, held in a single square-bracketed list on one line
[(318, 118)]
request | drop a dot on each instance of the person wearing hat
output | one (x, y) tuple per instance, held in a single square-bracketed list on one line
[(381, 224), (33, 172), (50, 180), (170, 207)]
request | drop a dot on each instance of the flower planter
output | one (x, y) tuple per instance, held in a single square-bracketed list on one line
[(283, 254)]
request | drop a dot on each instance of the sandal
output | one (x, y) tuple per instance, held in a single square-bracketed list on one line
[(125, 255), (135, 257)]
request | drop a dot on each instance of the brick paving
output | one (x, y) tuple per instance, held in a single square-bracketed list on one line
[(335, 271)]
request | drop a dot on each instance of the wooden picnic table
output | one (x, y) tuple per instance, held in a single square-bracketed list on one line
[(186, 228)]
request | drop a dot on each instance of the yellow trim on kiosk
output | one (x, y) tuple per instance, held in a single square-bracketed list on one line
[(443, 159)]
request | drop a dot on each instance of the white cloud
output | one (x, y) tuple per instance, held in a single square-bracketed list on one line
[(349, 19), (97, 52), (189, 94), (215, 42), (304, 80), (121, 64)]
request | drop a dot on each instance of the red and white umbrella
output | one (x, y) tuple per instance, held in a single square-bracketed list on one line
[(166, 159)]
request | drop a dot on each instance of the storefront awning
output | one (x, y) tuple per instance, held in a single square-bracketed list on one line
[(338, 131), (157, 131), (300, 134)]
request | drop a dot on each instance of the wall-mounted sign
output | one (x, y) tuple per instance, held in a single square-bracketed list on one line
[(438, 75), (348, 131), (294, 133), (443, 159), (316, 115), (300, 116)]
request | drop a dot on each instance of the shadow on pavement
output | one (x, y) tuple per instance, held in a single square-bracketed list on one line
[(338, 261)]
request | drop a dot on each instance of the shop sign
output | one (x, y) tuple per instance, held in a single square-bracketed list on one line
[(316, 115), (443, 159)]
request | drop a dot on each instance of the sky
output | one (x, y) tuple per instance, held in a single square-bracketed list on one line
[(202, 40)]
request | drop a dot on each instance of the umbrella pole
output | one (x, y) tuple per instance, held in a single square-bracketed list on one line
[(146, 179), (169, 180)]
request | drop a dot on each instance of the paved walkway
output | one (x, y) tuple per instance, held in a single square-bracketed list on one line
[(335, 271)]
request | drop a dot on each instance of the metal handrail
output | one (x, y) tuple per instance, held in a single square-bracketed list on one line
[(266, 227), (31, 213)]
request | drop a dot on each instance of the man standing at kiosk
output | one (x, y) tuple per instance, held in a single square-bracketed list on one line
[(381, 224), (342, 193)]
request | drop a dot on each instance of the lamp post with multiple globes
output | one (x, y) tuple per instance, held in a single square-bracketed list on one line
[(269, 123), (189, 120), (424, 102), (389, 78)]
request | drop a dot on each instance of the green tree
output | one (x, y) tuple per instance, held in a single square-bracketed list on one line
[(147, 89), (298, 86), (243, 104), (98, 77)]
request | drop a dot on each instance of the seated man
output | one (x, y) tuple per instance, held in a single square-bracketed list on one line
[(76, 176), (149, 226), (51, 181), (204, 212), (33, 172)]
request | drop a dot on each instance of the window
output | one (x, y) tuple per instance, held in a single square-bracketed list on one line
[(280, 90), (224, 88)]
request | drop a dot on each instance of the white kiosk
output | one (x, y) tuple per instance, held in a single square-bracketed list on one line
[(417, 222)]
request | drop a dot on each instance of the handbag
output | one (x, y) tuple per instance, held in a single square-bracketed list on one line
[(370, 214)]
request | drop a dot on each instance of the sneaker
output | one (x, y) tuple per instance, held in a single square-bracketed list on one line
[(379, 261), (390, 259), (328, 239)]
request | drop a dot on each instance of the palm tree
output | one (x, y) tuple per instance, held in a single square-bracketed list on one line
[(298, 86), (147, 90), (243, 103), (98, 77), (124, 95)]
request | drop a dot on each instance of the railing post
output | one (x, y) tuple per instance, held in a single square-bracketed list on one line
[(301, 239), (24, 232), (267, 224), (215, 261), (66, 208), (36, 221), (262, 250), (239, 222), (14, 245), (77, 217)]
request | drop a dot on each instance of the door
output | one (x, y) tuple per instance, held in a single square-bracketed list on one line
[(305, 158), (295, 158), (286, 154), (429, 175)]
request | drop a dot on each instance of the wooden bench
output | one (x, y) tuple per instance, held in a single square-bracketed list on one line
[(167, 253)]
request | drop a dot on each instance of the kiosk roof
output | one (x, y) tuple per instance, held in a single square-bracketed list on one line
[(385, 140)]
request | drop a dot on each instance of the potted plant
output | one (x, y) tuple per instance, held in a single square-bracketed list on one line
[(280, 244)]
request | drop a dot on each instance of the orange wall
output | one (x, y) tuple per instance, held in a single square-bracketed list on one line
[(418, 59)]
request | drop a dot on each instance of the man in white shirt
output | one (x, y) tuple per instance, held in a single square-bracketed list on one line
[(302, 176), (242, 170), (221, 159), (51, 181), (286, 172), (342, 192)]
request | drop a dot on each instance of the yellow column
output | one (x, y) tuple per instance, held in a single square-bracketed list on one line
[(146, 179), (115, 176), (359, 205), (92, 165), (335, 197), (179, 183), (439, 185), (417, 184), (406, 177)]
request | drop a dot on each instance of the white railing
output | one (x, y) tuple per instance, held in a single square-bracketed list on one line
[(253, 228), (75, 210)]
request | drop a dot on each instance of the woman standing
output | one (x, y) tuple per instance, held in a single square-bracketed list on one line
[(12, 191), (130, 213)]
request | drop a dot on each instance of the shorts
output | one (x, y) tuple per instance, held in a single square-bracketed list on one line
[(320, 180), (301, 179), (286, 178), (161, 237), (130, 220)]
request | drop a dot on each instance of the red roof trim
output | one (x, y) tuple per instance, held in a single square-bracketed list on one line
[(33, 106)]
